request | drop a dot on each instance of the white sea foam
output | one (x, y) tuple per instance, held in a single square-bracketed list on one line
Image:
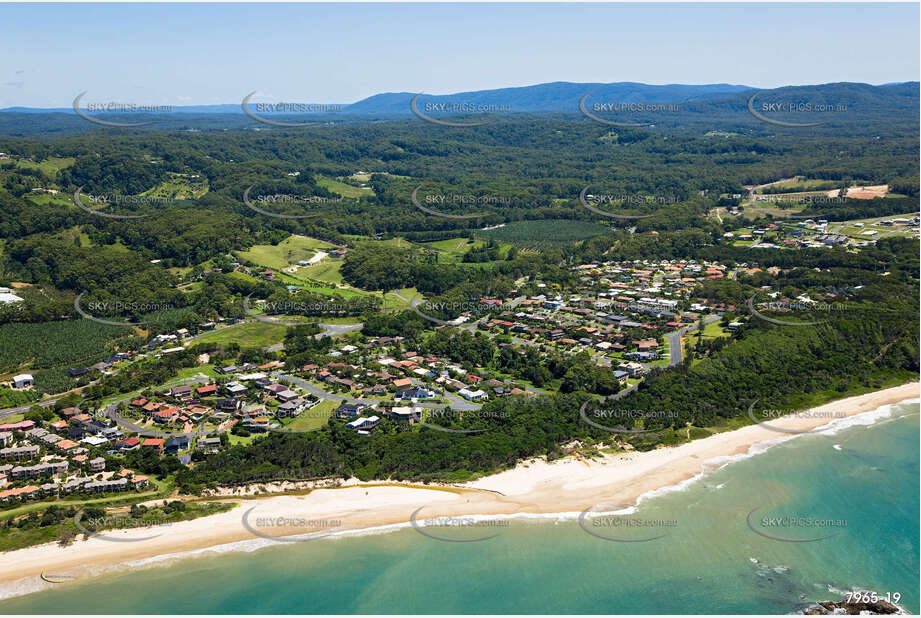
[(29, 585)]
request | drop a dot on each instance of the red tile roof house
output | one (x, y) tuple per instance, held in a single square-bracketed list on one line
[(210, 389), (166, 416), (156, 443), (66, 445), (128, 444), (402, 383), (20, 426), (67, 413)]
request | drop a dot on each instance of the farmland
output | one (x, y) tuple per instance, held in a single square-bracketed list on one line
[(58, 343)]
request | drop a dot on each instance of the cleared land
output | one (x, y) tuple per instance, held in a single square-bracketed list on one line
[(289, 251), (248, 335)]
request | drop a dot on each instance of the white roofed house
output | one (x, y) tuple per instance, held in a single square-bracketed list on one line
[(7, 296), (406, 413), (470, 395), (363, 423), (286, 395)]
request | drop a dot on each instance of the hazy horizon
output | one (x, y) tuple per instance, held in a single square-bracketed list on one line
[(192, 54)]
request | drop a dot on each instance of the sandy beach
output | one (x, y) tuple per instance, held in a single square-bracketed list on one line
[(567, 486)]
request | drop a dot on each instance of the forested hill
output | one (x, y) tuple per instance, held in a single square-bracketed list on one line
[(553, 97), (711, 107)]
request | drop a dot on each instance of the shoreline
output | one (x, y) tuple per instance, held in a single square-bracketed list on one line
[(534, 488)]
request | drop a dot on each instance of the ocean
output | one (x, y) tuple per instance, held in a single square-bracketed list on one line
[(734, 540)]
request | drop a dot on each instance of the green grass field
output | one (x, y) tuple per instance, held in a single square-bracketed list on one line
[(180, 187), (49, 166), (314, 418), (801, 183), (287, 252), (60, 199), (326, 270), (343, 189), (248, 335)]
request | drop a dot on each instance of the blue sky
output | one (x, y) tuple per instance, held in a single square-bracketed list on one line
[(182, 54)]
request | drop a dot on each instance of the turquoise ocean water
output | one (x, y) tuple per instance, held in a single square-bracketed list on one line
[(860, 478)]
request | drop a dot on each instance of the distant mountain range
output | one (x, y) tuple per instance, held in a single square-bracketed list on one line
[(563, 97)]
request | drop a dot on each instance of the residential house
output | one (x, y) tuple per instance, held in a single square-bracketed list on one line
[(364, 423), (19, 453), (470, 395), (176, 444), (207, 391), (182, 393), (97, 464), (413, 393), (209, 444), (153, 443), (128, 444)]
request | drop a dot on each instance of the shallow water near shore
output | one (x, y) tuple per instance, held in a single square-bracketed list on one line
[(860, 481)]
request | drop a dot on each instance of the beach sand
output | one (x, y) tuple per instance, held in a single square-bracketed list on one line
[(566, 486)]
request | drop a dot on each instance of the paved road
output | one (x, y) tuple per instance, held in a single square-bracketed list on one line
[(624, 392), (456, 402), (674, 340), (111, 412), (45, 402)]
